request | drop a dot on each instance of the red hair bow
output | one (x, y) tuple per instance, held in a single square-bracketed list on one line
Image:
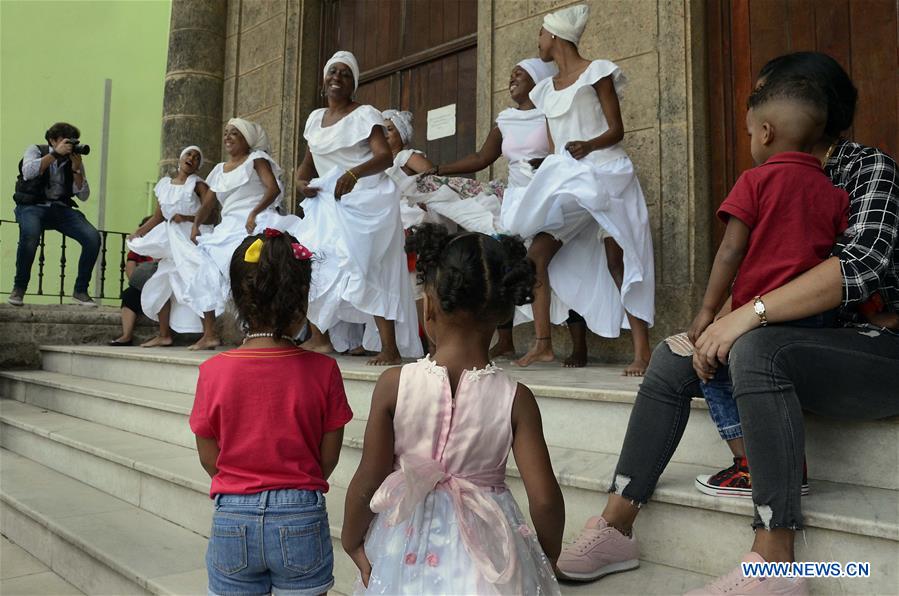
[(272, 233), (300, 252)]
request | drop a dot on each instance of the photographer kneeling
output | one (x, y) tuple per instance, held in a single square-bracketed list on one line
[(49, 176)]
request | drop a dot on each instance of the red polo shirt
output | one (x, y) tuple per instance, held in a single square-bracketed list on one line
[(795, 214)]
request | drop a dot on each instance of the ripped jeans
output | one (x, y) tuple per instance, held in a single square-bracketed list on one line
[(777, 372)]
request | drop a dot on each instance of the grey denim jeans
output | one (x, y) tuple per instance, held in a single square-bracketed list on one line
[(777, 372)]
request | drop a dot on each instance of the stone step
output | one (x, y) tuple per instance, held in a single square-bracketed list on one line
[(585, 409), (104, 545), (21, 574), (166, 480)]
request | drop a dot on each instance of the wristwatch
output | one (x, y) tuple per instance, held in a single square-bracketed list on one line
[(759, 307)]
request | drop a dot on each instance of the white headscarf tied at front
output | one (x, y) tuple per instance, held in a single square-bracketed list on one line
[(538, 69), (347, 58), (192, 148), (567, 23), (253, 133), (402, 121)]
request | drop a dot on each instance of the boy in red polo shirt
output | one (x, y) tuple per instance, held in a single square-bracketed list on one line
[(783, 218)]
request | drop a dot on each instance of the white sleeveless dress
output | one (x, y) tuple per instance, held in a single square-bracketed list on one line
[(359, 269), (579, 202), (178, 257), (446, 521), (239, 192)]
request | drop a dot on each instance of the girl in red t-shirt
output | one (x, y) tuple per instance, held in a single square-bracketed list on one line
[(269, 421)]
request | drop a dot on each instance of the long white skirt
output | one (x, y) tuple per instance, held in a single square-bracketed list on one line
[(581, 204), (179, 259), (359, 268), (475, 214), (209, 288), (426, 554)]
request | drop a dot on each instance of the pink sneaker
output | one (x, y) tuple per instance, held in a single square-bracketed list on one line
[(734, 584), (599, 550)]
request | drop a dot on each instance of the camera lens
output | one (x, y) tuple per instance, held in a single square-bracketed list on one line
[(82, 149)]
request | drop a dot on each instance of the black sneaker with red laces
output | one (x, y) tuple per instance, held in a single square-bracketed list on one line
[(735, 481)]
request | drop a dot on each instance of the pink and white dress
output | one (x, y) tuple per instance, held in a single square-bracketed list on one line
[(447, 523)]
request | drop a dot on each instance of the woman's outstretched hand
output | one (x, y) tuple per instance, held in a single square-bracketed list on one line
[(429, 172), (306, 191)]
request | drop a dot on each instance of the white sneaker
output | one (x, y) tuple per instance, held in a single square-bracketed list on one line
[(736, 584)]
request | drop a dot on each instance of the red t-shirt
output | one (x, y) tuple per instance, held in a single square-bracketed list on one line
[(268, 410), (794, 213)]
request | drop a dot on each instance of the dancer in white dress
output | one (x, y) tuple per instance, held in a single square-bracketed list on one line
[(166, 238), (352, 224), (584, 207), (249, 190), (520, 136)]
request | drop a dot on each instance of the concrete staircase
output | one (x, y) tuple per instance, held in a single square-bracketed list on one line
[(99, 479)]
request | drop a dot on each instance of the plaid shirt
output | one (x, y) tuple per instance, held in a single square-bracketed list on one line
[(870, 258)]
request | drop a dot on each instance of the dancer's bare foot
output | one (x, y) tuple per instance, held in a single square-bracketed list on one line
[(637, 368), (385, 358), (541, 351), (157, 342), (357, 351), (578, 359), (206, 343), (502, 351), (319, 345)]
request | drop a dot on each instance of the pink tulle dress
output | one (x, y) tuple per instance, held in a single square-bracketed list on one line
[(447, 523)]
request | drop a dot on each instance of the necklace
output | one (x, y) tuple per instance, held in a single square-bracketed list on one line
[(829, 152), (250, 336)]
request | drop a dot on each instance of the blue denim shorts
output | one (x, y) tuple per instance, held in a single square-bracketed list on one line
[(276, 542)]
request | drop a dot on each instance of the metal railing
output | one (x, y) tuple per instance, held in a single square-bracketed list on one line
[(100, 269)]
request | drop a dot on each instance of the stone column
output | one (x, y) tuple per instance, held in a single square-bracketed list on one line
[(192, 103)]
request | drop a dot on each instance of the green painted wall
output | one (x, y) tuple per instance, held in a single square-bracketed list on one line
[(54, 58)]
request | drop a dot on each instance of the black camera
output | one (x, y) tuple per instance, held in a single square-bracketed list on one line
[(78, 148)]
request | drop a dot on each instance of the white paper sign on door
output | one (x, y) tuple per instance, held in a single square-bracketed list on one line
[(442, 122)]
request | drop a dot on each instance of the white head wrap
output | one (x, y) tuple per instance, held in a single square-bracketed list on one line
[(538, 69), (403, 123), (344, 58), (567, 23), (192, 148), (253, 133)]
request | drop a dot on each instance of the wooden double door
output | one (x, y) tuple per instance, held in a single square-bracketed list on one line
[(744, 34), (415, 55)]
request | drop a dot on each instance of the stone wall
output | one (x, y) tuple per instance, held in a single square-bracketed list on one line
[(24, 328), (267, 44), (660, 47)]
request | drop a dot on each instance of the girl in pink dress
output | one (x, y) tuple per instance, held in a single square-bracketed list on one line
[(428, 511)]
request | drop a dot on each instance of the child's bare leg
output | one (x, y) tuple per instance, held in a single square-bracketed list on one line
[(542, 250), (505, 344), (165, 331), (389, 353), (129, 320), (210, 339), (737, 447), (577, 327), (639, 328), (318, 341)]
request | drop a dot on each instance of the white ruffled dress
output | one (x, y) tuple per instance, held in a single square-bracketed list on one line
[(359, 268), (239, 192), (580, 202), (178, 257), (446, 521)]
